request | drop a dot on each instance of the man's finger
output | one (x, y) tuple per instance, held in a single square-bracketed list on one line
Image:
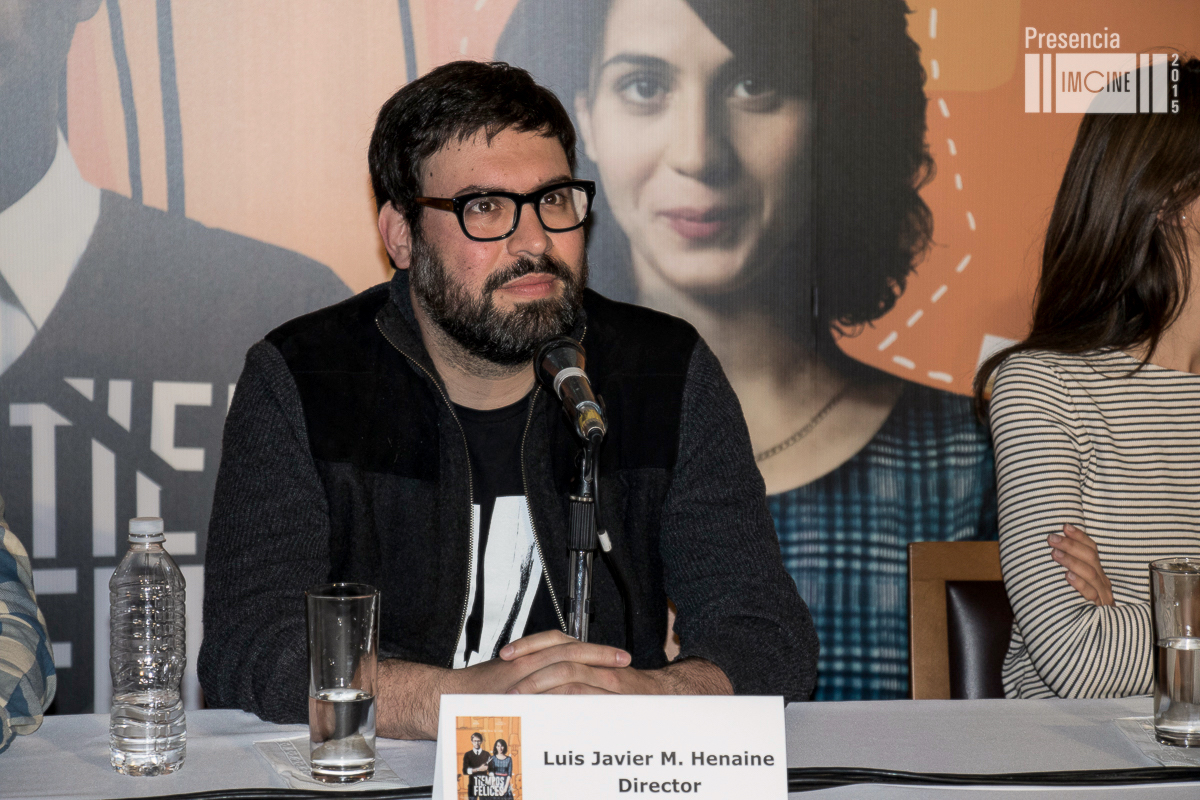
[(575, 651), (578, 688), (533, 643), (564, 673)]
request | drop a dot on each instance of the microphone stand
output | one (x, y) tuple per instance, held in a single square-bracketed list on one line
[(582, 539)]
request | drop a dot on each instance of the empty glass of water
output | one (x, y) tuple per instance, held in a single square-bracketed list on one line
[(1175, 611), (343, 652)]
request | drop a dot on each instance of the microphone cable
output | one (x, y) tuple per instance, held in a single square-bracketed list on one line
[(809, 779), (615, 568)]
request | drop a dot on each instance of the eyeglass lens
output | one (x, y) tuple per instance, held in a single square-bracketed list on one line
[(560, 209)]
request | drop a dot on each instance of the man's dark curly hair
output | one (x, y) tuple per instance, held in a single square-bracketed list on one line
[(869, 225), (454, 102)]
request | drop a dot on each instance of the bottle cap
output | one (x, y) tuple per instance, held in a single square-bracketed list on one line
[(146, 529)]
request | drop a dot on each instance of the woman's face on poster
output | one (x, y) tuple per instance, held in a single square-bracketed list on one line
[(697, 152)]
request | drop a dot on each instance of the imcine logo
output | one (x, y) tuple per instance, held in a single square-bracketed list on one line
[(1097, 83)]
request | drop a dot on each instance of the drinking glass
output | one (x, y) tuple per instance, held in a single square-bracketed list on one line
[(1175, 614), (343, 653)]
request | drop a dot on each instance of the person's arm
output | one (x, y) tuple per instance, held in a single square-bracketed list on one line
[(268, 540), (27, 679), (1078, 648), (738, 609)]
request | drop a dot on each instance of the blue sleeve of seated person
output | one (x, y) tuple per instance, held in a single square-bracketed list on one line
[(27, 680)]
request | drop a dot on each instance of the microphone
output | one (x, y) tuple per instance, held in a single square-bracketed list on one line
[(559, 367)]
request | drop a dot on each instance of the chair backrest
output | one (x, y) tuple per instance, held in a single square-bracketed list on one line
[(982, 619), (979, 626)]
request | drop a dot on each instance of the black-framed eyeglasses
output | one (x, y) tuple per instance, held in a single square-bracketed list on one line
[(491, 216)]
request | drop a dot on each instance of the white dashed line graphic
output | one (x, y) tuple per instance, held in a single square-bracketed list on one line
[(915, 317)]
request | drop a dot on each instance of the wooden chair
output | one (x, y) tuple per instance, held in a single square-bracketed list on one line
[(931, 565)]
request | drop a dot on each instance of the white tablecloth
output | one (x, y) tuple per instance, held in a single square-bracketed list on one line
[(68, 757)]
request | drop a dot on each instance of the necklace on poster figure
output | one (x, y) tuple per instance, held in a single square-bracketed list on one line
[(804, 431)]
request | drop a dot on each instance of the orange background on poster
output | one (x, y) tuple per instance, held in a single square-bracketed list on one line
[(1010, 165), (278, 99)]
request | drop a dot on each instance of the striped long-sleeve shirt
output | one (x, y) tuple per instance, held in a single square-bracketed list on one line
[(1083, 439), (27, 680)]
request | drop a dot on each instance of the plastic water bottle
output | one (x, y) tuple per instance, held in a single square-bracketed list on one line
[(147, 732)]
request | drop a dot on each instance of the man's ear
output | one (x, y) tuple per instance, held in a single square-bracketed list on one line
[(583, 113), (396, 235)]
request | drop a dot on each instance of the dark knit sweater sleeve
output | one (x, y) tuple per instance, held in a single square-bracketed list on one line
[(737, 605), (268, 540)]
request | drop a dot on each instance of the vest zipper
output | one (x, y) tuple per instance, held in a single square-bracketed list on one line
[(470, 497), (532, 525)]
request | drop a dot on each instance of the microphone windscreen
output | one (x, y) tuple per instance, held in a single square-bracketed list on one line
[(556, 355)]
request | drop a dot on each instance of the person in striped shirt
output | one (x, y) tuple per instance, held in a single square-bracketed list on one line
[(27, 680), (1095, 416)]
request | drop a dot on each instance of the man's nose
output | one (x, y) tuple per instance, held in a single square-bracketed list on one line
[(530, 238)]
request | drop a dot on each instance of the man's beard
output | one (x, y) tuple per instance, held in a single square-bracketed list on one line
[(507, 338)]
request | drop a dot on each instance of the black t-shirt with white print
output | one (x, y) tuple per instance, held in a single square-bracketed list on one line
[(508, 598)]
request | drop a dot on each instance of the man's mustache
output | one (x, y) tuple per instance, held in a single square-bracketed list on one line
[(527, 266)]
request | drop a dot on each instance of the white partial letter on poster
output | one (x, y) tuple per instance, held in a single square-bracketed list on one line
[(167, 396), (120, 402), (104, 501), (42, 420), (148, 497)]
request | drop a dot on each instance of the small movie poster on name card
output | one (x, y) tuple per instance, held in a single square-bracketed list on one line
[(489, 750)]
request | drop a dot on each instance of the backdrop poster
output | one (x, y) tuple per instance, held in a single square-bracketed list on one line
[(845, 197)]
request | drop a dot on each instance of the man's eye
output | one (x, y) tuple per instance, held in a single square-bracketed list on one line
[(555, 198), (483, 205)]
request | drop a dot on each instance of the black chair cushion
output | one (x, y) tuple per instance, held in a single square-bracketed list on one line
[(979, 624)]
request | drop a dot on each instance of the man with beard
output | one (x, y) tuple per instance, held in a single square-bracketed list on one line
[(399, 439)]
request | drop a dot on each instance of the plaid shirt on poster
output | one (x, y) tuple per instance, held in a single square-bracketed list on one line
[(27, 680), (927, 475)]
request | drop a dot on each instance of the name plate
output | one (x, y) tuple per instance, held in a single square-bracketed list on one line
[(548, 747)]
